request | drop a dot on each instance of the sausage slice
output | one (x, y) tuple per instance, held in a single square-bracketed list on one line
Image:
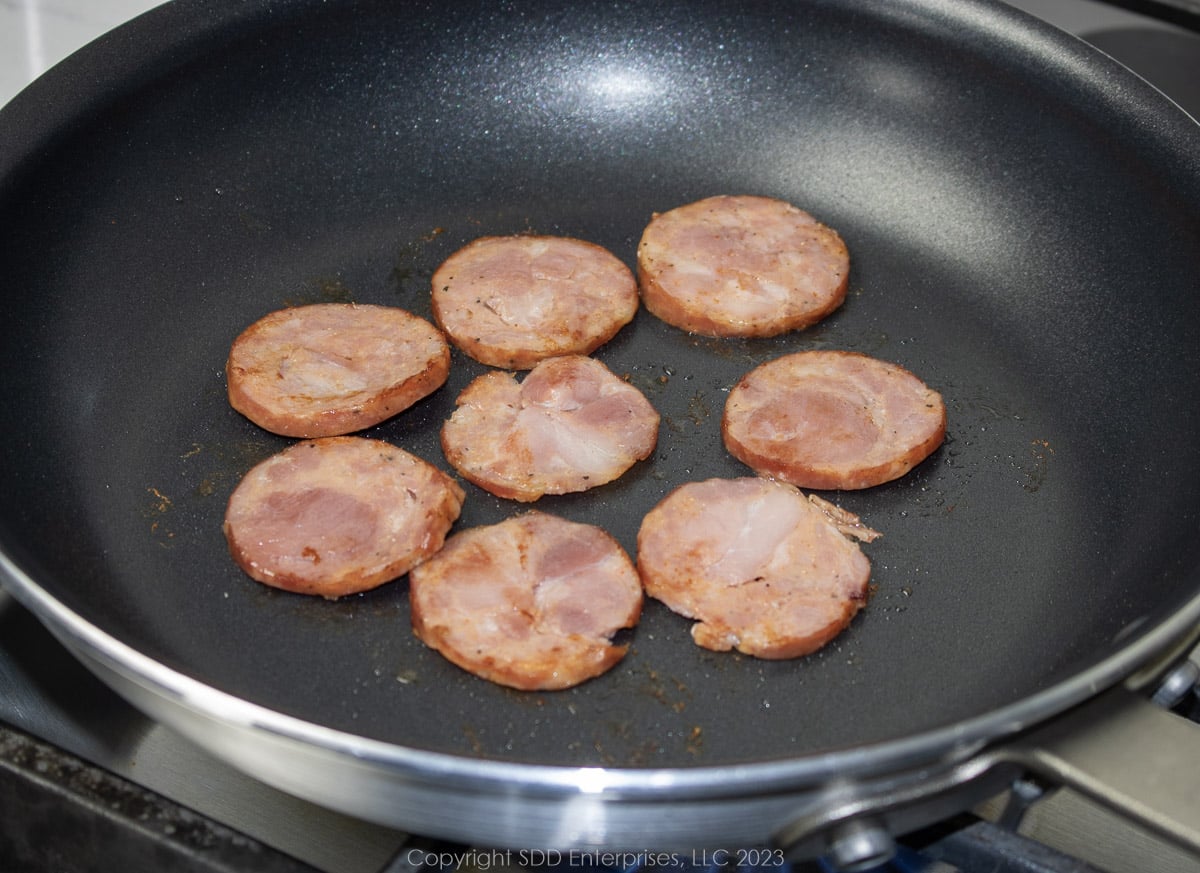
[(571, 425), (511, 301), (741, 266), (532, 602), (333, 368), (339, 515), (832, 419), (759, 567)]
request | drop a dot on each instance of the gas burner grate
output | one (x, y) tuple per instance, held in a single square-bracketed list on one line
[(60, 814)]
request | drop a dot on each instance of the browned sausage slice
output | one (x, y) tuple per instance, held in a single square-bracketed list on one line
[(759, 567), (333, 368), (532, 602), (339, 515), (832, 419), (511, 301), (741, 266), (571, 425)]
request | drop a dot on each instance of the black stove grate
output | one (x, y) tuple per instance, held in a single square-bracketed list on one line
[(62, 815)]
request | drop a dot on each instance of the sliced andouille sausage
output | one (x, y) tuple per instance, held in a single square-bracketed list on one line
[(570, 425), (532, 602), (511, 301), (339, 515), (832, 420), (328, 369), (757, 565), (741, 266)]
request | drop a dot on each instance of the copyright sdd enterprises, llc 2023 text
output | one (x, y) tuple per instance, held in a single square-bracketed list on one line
[(506, 859)]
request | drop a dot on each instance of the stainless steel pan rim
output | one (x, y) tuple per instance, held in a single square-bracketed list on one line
[(186, 697)]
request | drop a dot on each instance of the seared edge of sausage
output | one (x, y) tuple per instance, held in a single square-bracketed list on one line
[(328, 369)]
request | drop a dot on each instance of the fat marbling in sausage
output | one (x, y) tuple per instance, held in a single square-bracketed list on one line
[(532, 602), (757, 565), (570, 425), (511, 301), (741, 266), (832, 420), (339, 515)]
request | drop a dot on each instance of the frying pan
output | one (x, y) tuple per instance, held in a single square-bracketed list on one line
[(1023, 217)]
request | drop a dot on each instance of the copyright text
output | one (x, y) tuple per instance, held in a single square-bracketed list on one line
[(483, 860)]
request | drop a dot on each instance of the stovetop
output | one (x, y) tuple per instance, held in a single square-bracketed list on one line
[(76, 756)]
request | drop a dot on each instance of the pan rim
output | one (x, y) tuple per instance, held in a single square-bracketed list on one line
[(949, 744)]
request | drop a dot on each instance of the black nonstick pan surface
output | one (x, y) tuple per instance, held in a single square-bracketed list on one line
[(1023, 217)]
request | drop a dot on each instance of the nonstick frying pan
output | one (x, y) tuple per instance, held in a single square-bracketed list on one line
[(1023, 217)]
